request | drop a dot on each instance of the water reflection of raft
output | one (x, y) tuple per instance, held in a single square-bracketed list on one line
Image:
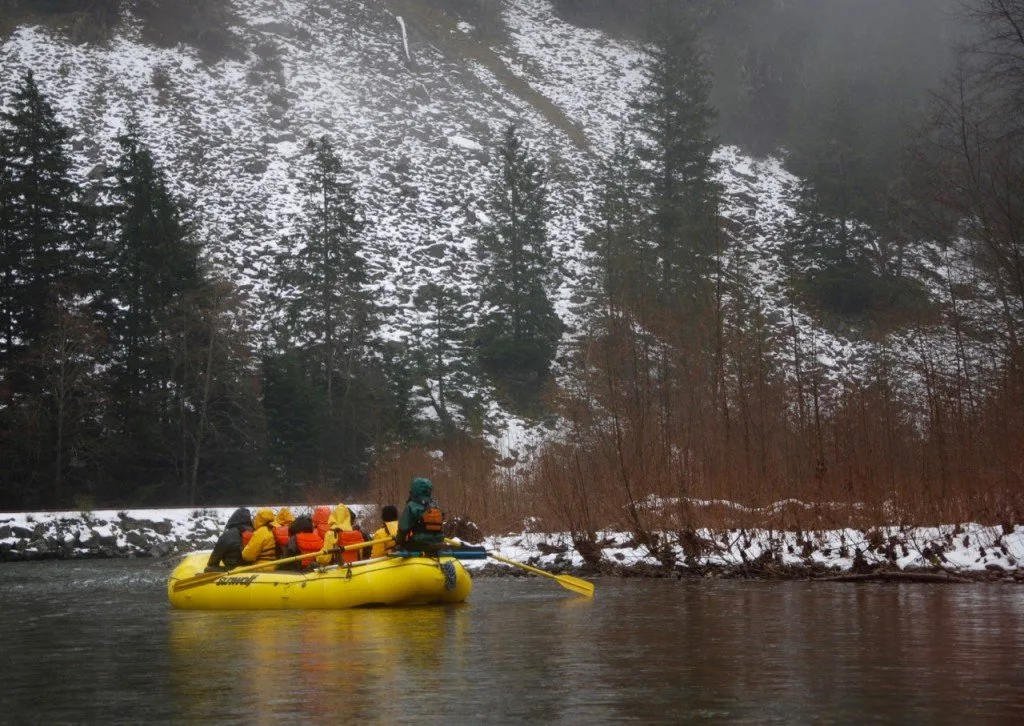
[(383, 581)]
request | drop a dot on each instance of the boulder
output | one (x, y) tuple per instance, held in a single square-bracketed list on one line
[(162, 527), (463, 529), (160, 549), (137, 538), (109, 540)]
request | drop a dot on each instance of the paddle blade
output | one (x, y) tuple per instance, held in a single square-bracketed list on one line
[(581, 587), (189, 582)]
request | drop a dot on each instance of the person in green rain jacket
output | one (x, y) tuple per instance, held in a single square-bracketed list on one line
[(421, 526)]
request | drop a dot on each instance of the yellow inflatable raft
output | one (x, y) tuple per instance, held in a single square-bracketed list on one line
[(382, 581)]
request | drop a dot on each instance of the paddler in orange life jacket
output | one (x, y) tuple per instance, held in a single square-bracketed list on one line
[(262, 546), (389, 518), (421, 526), (304, 538), (321, 516), (341, 533), (228, 550), (284, 520)]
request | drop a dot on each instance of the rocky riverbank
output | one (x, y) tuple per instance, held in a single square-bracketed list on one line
[(950, 553)]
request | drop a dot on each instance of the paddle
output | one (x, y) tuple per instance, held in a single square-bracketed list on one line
[(206, 577), (580, 587)]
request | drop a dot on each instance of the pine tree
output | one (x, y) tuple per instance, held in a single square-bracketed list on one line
[(443, 358), (673, 117), (325, 335), (155, 272), (519, 331), (48, 346), (155, 263), (330, 312), (42, 233), (621, 265)]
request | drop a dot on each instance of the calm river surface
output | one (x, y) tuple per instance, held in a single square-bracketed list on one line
[(96, 641)]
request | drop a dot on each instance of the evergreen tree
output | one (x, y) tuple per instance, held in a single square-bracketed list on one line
[(330, 312), (519, 331), (326, 337), (155, 263), (443, 358), (42, 233), (672, 118), (155, 272), (48, 343), (621, 265)]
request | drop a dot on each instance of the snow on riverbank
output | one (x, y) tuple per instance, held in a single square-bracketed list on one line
[(953, 548), (117, 533), (162, 532)]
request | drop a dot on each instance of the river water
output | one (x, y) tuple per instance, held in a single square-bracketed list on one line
[(96, 641)]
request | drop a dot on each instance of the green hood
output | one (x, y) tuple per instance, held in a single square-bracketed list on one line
[(421, 488)]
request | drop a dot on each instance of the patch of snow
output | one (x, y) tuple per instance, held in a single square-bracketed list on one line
[(464, 143)]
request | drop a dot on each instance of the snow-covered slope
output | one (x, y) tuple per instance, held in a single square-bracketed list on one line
[(415, 100)]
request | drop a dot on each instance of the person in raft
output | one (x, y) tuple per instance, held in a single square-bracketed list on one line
[(389, 518), (421, 526), (284, 520), (341, 533), (321, 516), (227, 553), (303, 538), (262, 546)]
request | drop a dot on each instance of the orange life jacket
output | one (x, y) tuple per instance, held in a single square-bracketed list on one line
[(281, 536), (246, 536), (348, 538), (308, 542), (433, 519)]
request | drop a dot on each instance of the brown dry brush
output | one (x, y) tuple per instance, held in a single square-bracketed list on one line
[(686, 419), (651, 451), (468, 481)]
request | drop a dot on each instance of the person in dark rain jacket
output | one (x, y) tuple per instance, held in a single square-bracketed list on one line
[(421, 526), (227, 553)]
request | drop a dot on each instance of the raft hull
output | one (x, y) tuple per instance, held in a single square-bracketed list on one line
[(390, 581)]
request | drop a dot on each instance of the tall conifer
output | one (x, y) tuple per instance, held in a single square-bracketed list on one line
[(672, 118), (443, 356), (323, 389), (519, 331), (156, 262), (42, 236), (622, 266)]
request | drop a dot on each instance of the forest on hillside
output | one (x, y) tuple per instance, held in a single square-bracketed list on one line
[(133, 374)]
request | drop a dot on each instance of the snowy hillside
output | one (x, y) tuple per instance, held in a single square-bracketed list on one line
[(415, 103)]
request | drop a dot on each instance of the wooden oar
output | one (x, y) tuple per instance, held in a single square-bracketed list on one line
[(206, 577), (580, 587)]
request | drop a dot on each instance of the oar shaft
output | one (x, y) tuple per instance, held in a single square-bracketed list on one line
[(523, 565), (205, 577), (575, 584)]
